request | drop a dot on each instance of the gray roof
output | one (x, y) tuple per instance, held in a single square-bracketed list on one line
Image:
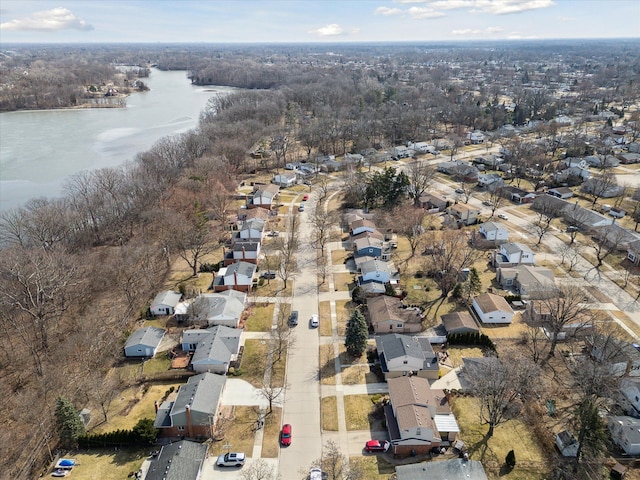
[(629, 426), (218, 346), (147, 336), (395, 345), (374, 265), (246, 245), (167, 297), (178, 461), (513, 247), (456, 469), (254, 224), (243, 268), (214, 305), (491, 226)]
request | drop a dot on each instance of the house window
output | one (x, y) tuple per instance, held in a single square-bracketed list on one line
[(399, 325), (405, 362), (390, 327), (181, 428)]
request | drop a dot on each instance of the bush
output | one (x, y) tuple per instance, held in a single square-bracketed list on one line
[(513, 298), (471, 338), (142, 433), (209, 267)]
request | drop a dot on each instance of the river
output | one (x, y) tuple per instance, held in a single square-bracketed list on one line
[(40, 149)]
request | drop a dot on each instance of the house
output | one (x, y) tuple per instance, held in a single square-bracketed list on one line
[(460, 169), (372, 247), (418, 417), (264, 196), (193, 412), (454, 469), (633, 252), (625, 433), (237, 276), (422, 147), (182, 460), (622, 357), (583, 217), (375, 235), (512, 254), (601, 161), (628, 158), (606, 191), (459, 322), (389, 315), (494, 231), (561, 192), (491, 181), (617, 235), (433, 202), (540, 313), (527, 280), (489, 160), (464, 214), (475, 137), (401, 152), (252, 229), (518, 195), (165, 303), (567, 444), (222, 308), (492, 308), (630, 393), (378, 271), (245, 214), (214, 348), (285, 179), (247, 251), (144, 342), (360, 226), (402, 355)]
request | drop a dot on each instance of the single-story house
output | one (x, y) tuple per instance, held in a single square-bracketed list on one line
[(402, 152), (454, 469), (628, 158), (193, 412), (492, 308), (617, 235), (494, 231), (633, 252), (378, 271), (489, 160), (182, 460), (214, 348), (539, 313), (165, 303), (144, 342), (606, 191), (625, 433), (561, 192), (237, 276), (285, 179), (389, 315), (459, 322), (622, 357), (465, 214), (245, 214), (601, 162), (431, 202), (512, 253), (490, 180), (518, 195), (402, 355), (527, 280), (221, 308), (360, 226), (630, 392)]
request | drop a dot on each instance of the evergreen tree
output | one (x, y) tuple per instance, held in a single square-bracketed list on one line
[(457, 291), (145, 431), (68, 421), (356, 334), (473, 284)]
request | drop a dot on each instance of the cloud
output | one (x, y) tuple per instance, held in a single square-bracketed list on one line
[(471, 31), (567, 19), (48, 20), (496, 7), (386, 11), (422, 12), (330, 30)]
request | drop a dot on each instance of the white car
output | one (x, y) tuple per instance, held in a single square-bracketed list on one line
[(314, 321), (231, 459), (60, 472), (503, 216), (315, 474)]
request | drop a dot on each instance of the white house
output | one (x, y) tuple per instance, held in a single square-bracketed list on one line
[(561, 192), (401, 152), (377, 271), (144, 342), (165, 303), (513, 253), (237, 276), (285, 179), (625, 432), (630, 391), (214, 348), (490, 180), (494, 231), (252, 229), (475, 137), (492, 308)]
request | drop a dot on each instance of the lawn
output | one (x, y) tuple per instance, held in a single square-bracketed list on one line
[(253, 362), (271, 437), (107, 464), (514, 434), (160, 363), (357, 409), (342, 281), (358, 374), (513, 330), (374, 467), (240, 432), (327, 365), (329, 409), (456, 354), (260, 318)]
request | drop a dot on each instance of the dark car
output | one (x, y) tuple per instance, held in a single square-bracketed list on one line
[(269, 274), (293, 318), (285, 435)]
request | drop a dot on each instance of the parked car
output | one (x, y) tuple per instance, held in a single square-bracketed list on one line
[(314, 321), (305, 198), (572, 228), (285, 435), (268, 274), (231, 459), (273, 233), (503, 216), (486, 203), (315, 474), (377, 446), (301, 207), (61, 472), (293, 318)]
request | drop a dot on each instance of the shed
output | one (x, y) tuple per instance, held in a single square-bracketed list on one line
[(567, 444), (144, 342)]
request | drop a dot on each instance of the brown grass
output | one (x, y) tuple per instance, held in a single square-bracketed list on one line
[(342, 281), (253, 362), (357, 409), (270, 439), (374, 467), (107, 464), (339, 256), (456, 354), (240, 431), (260, 318), (327, 365), (329, 413), (513, 330)]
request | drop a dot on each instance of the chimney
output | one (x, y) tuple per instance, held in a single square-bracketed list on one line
[(244, 256), (155, 405), (189, 425), (235, 278)]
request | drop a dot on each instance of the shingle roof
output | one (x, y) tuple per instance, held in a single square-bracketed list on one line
[(458, 320), (218, 346), (178, 461), (147, 336), (395, 345), (385, 308), (456, 469), (488, 302), (243, 268), (167, 297)]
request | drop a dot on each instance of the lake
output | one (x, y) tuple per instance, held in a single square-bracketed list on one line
[(40, 149)]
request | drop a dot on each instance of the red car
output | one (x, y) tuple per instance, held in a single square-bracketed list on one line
[(285, 435), (305, 198), (377, 446)]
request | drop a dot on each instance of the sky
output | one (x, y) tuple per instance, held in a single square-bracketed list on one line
[(304, 21)]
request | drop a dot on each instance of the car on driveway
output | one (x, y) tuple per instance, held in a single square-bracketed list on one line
[(273, 233), (459, 190), (305, 198), (572, 228), (269, 274), (301, 207), (377, 446), (314, 321), (503, 216), (285, 435), (315, 474), (293, 318), (231, 459)]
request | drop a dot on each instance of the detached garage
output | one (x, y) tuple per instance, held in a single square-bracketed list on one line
[(144, 342), (165, 303), (492, 308)]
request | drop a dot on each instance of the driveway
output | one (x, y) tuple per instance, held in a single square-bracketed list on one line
[(241, 392)]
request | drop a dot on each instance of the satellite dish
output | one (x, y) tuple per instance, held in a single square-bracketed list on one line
[(582, 164)]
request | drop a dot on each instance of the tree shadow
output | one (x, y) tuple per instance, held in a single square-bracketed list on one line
[(505, 470), (480, 447)]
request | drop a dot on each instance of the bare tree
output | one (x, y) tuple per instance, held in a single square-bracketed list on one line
[(192, 239), (421, 176), (259, 470), (534, 340), (335, 464), (599, 186), (322, 223), (606, 241), (547, 210), (287, 247), (500, 384), (494, 199), (572, 254)]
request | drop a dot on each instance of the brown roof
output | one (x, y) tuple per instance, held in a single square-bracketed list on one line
[(362, 223), (488, 302), (385, 308), (456, 320), (416, 391), (412, 416), (249, 213), (463, 207), (376, 234), (268, 187)]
